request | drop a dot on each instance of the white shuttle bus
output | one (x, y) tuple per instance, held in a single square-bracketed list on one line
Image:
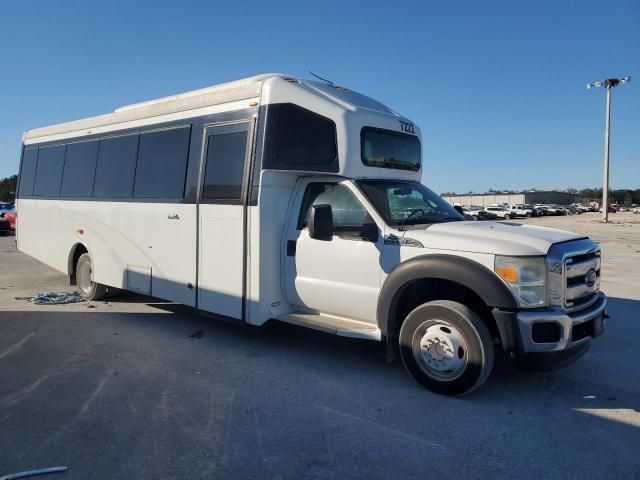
[(275, 197)]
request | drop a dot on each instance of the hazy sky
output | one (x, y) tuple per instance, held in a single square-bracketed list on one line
[(498, 88)]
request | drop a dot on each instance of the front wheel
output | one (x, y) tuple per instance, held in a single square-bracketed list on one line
[(446, 347), (84, 278)]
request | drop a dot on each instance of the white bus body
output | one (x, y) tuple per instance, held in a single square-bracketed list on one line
[(214, 199)]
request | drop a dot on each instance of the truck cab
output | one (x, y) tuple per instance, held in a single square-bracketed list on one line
[(369, 251)]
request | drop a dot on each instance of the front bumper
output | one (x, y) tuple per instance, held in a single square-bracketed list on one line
[(568, 330)]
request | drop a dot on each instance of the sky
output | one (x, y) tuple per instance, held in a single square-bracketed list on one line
[(498, 88)]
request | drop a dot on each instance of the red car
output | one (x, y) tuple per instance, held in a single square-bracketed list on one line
[(11, 218)]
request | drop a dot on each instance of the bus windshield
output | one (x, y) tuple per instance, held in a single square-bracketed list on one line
[(406, 203)]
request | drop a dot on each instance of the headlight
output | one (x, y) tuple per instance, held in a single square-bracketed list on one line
[(526, 277)]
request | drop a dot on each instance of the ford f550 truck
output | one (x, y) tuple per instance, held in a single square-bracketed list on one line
[(276, 197)]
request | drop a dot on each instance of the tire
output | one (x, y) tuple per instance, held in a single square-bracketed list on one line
[(84, 278), (527, 215), (507, 217), (464, 334)]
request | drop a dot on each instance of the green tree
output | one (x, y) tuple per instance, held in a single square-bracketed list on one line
[(8, 188)]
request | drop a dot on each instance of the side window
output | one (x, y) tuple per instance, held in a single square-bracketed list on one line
[(224, 170), (49, 171), (28, 171), (116, 166), (349, 216), (299, 139), (79, 169), (162, 163)]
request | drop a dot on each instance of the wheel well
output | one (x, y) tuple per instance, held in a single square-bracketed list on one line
[(425, 290), (77, 250)]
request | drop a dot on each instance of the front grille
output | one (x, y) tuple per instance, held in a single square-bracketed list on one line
[(573, 274), (582, 279)]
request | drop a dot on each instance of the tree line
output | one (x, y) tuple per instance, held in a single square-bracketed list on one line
[(621, 197), (8, 188)]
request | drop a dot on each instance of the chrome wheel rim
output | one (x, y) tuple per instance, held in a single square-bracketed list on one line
[(84, 279), (440, 350)]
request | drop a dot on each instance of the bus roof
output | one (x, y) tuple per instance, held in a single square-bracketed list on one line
[(243, 89)]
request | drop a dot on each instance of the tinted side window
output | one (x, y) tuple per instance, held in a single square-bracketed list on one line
[(299, 139), (49, 171), (224, 169), (389, 149), (162, 163), (116, 166), (28, 171), (79, 169)]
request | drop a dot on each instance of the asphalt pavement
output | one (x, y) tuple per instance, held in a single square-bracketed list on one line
[(139, 388)]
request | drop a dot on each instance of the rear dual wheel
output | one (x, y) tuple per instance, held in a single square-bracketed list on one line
[(446, 347)]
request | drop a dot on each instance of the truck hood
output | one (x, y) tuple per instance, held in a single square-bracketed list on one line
[(499, 238)]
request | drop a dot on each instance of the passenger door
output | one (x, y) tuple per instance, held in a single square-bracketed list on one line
[(341, 276), (221, 217)]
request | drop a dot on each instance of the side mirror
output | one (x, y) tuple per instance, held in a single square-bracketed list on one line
[(370, 232), (321, 222)]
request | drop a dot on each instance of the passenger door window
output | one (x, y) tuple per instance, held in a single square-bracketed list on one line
[(349, 215), (225, 161)]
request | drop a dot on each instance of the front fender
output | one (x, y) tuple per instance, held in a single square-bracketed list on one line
[(476, 277)]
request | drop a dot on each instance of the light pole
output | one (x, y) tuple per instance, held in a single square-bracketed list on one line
[(609, 83)]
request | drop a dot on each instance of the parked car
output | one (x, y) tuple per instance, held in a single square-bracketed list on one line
[(582, 208), (499, 212), (5, 227), (611, 209), (475, 211), (548, 210), (465, 212), (11, 218), (521, 211), (6, 207)]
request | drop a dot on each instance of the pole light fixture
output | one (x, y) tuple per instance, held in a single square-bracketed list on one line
[(609, 84)]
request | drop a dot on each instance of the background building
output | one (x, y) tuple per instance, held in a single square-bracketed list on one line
[(486, 199)]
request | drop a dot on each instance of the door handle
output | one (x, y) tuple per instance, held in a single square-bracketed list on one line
[(291, 248)]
